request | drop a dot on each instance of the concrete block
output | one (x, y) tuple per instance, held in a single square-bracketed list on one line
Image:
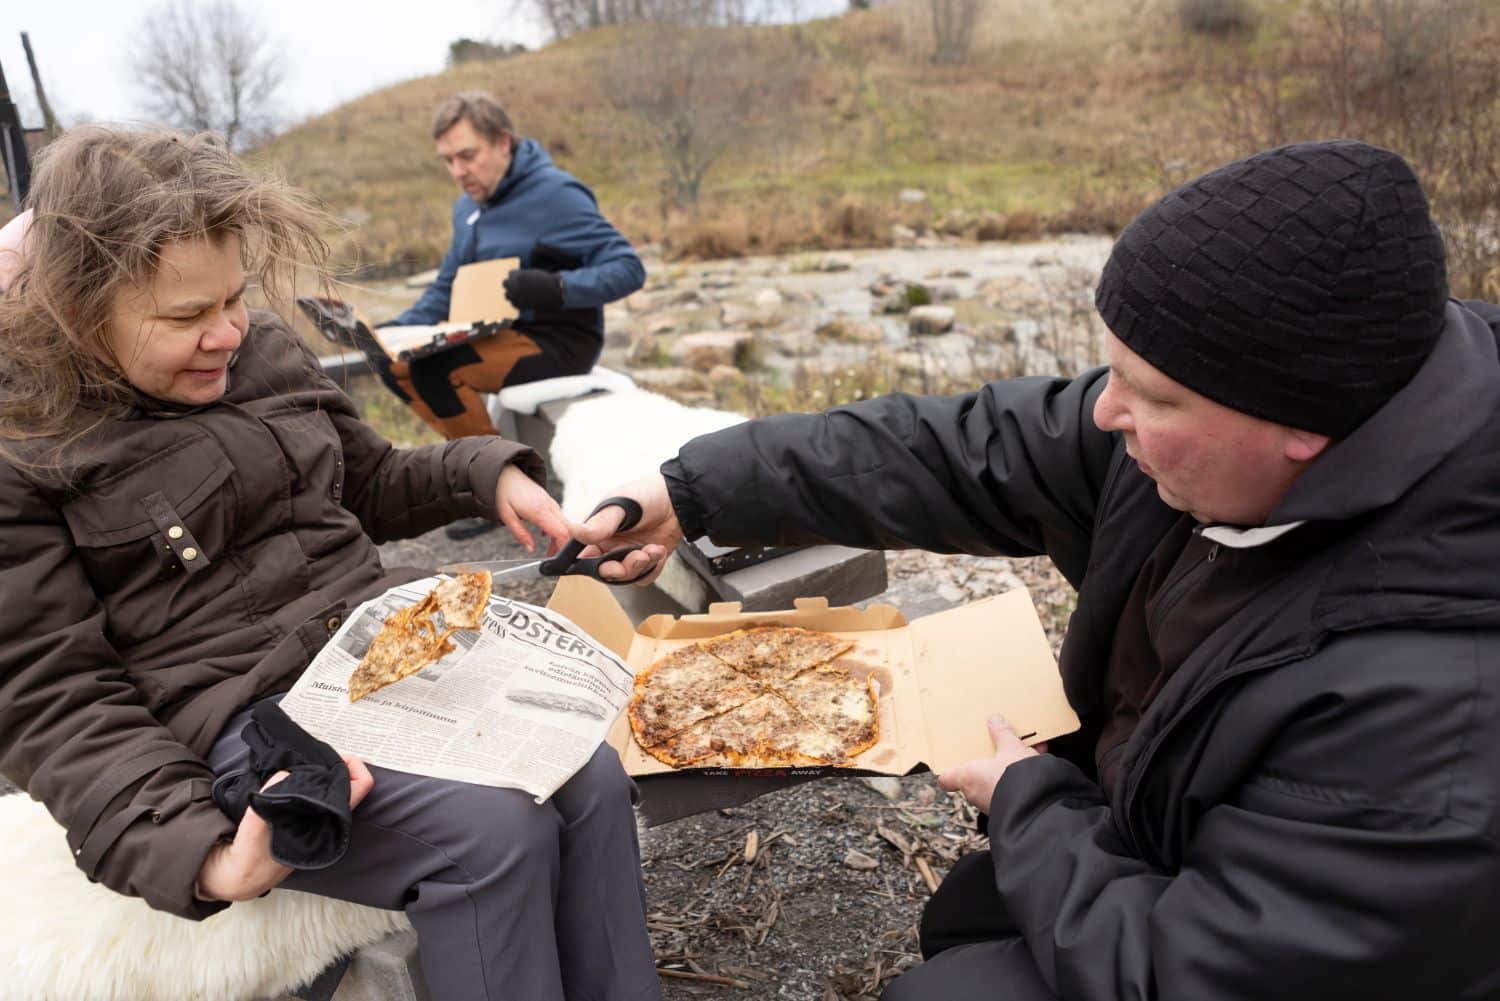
[(840, 574), (389, 970)]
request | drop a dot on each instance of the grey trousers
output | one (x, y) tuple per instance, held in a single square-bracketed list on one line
[(510, 899)]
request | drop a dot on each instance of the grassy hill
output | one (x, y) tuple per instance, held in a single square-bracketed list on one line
[(1068, 115)]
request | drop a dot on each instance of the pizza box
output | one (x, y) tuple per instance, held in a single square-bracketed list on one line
[(940, 677)]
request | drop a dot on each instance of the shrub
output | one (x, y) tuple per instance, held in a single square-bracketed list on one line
[(1216, 17)]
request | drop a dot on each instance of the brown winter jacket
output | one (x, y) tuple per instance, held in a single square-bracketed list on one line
[(196, 562)]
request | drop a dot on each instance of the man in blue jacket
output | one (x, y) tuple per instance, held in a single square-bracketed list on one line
[(515, 203)]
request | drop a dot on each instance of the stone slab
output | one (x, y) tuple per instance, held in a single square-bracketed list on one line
[(842, 575)]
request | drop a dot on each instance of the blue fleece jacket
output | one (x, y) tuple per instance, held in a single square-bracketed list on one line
[(536, 203)]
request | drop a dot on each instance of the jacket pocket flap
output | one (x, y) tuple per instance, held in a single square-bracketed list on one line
[(111, 512)]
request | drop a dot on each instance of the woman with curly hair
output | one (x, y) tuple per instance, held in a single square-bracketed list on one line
[(188, 509)]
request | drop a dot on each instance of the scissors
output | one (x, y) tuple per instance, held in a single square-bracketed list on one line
[(567, 562)]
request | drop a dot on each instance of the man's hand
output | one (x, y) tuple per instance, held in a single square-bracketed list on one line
[(520, 499), (977, 779), (658, 531), (243, 868), (532, 288)]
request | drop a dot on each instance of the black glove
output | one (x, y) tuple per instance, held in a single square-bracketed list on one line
[(533, 288), (308, 811)]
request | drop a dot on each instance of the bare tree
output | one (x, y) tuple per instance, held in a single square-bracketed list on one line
[(697, 91), (953, 24), (208, 66)]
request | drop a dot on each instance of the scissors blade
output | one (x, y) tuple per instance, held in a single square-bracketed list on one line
[(495, 568)]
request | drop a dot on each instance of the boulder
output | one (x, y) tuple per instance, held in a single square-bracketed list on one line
[(930, 320)]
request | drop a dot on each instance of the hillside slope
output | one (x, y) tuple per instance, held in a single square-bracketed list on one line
[(1067, 116)]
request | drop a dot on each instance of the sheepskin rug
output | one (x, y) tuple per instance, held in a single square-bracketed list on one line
[(64, 938), (604, 442)]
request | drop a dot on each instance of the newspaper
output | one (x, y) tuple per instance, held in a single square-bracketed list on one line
[(522, 703)]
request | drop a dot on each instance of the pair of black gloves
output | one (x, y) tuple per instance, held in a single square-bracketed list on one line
[(534, 289)]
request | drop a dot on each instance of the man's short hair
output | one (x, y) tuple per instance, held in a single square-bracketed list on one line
[(477, 108)]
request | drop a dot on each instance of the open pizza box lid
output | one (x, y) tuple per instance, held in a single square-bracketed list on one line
[(940, 677)]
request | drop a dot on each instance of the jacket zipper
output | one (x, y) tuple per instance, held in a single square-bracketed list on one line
[(1178, 588), (1143, 764)]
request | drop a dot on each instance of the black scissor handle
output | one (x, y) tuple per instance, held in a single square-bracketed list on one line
[(567, 562)]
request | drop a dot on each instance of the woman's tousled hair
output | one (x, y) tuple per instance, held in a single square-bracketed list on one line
[(105, 202)]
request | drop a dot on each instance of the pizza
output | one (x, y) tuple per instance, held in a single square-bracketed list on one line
[(768, 696), (411, 638)]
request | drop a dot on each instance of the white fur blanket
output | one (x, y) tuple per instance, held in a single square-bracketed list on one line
[(604, 442), (64, 938)]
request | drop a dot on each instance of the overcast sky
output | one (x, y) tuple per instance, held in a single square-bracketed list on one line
[(336, 49)]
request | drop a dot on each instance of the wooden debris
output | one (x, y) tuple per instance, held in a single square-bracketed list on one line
[(859, 860), (752, 843), (702, 978), (901, 845), (927, 876)]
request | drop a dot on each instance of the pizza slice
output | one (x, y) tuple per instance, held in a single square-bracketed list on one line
[(463, 599), (408, 642), (773, 654), (681, 689), (838, 704), (765, 732)]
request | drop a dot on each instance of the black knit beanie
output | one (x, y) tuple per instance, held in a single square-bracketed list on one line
[(1304, 285)]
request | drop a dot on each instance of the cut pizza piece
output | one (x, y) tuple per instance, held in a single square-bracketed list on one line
[(773, 654), (462, 599), (762, 733), (682, 688), (839, 704), (408, 642)]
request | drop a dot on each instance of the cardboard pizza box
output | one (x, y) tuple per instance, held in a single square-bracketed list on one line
[(940, 677)]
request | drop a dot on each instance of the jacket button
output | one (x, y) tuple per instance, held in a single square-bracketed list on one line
[(190, 554), (333, 623), (175, 532)]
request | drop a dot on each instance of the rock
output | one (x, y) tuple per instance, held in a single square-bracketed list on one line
[(831, 263), (736, 314), (851, 331), (887, 785), (768, 300), (616, 337), (684, 379), (859, 860), (925, 795), (928, 320), (687, 297), (912, 196), (796, 344), (704, 351), (943, 292), (638, 302), (903, 236), (725, 375), (422, 279), (659, 324)]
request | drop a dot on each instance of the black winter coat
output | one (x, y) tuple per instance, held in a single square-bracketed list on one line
[(1310, 807)]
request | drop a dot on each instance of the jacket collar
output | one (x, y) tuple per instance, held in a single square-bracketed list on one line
[(1453, 394)]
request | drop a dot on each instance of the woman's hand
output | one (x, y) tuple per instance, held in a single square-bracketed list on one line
[(658, 532), (977, 779), (243, 869), (520, 500)]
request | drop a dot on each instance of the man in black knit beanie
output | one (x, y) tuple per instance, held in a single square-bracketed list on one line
[(1280, 505)]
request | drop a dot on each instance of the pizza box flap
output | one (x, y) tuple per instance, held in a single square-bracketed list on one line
[(478, 292), (593, 609), (994, 658)]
